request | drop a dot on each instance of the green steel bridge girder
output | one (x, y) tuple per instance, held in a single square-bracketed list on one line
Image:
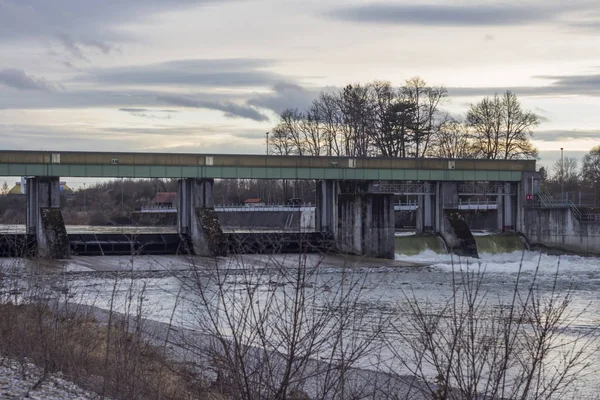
[(238, 172)]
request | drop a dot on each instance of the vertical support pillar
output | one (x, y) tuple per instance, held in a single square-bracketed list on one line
[(530, 184), (426, 209), (197, 219), (327, 206), (446, 198), (366, 221), (508, 208), (44, 218), (500, 212)]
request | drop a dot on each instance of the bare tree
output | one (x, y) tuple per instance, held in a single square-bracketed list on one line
[(565, 170), (263, 344), (328, 109), (452, 141), (356, 108), (426, 101), (394, 119), (501, 129), (590, 168), (473, 346)]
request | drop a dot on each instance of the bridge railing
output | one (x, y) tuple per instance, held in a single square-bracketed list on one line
[(546, 200), (235, 207), (485, 189), (472, 204), (403, 188)]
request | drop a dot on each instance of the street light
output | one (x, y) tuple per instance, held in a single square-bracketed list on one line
[(84, 199), (595, 191), (267, 142), (562, 176)]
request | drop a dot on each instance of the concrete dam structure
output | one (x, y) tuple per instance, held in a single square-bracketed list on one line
[(355, 196)]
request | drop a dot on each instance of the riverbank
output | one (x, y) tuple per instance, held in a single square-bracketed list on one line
[(24, 380)]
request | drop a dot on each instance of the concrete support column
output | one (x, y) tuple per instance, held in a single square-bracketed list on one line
[(508, 208), (450, 223), (366, 225), (361, 222), (197, 219), (500, 212), (530, 184), (327, 206), (426, 211), (44, 218), (446, 197)]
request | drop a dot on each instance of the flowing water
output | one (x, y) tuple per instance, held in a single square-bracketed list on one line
[(383, 286)]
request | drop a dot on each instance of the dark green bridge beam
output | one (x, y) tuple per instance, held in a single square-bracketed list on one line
[(227, 166)]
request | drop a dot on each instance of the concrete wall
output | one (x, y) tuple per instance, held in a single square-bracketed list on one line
[(44, 218), (366, 225), (558, 228)]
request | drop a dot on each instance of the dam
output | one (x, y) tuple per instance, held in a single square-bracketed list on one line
[(354, 196)]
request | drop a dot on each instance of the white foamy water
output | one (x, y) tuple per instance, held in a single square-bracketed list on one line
[(383, 287)]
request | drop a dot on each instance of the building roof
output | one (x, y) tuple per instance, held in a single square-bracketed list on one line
[(164, 197), (253, 200)]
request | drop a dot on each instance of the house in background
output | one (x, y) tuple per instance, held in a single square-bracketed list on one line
[(254, 202), (164, 199)]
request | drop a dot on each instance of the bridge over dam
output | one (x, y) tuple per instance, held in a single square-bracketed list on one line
[(354, 196)]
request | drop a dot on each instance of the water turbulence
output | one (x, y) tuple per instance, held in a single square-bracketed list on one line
[(416, 244), (503, 243)]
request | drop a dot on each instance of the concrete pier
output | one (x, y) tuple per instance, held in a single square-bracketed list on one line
[(197, 219), (360, 221), (426, 211), (446, 197), (44, 219)]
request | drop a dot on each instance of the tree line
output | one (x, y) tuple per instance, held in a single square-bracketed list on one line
[(567, 175), (377, 119)]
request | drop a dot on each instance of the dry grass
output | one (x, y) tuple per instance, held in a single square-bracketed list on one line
[(110, 361)]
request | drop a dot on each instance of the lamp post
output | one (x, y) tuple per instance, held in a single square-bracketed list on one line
[(267, 142), (562, 176), (595, 191), (84, 199)]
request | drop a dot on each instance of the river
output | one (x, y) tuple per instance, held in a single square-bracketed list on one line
[(384, 287)]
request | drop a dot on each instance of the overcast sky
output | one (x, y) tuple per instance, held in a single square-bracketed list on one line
[(210, 76)]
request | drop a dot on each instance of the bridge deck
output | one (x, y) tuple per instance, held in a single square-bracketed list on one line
[(173, 165)]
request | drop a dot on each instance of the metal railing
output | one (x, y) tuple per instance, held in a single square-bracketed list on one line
[(485, 189), (234, 207), (408, 205), (403, 188), (472, 204), (266, 207), (158, 209), (546, 200)]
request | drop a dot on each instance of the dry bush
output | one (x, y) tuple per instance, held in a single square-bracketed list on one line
[(280, 328), (111, 359), (477, 346)]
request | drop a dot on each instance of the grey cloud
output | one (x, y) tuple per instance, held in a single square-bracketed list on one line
[(78, 48), (86, 20), (208, 72), (18, 79), (562, 135), (479, 14), (35, 137), (17, 99), (284, 96), (148, 113), (230, 109), (139, 110), (583, 85)]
